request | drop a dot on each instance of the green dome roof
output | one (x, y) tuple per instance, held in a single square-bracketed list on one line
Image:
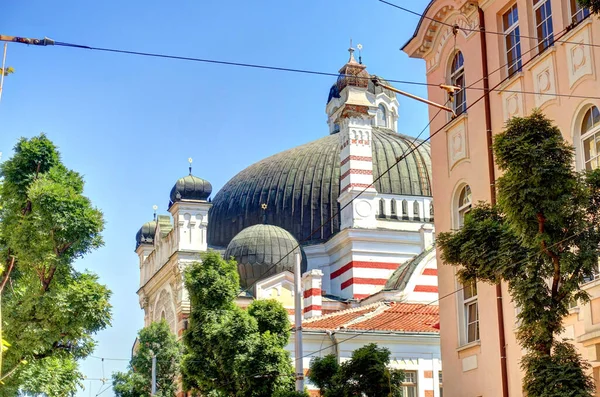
[(301, 186), (146, 234), (260, 252), (190, 187)]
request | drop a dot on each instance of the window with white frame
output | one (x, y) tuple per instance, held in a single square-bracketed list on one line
[(464, 205), (578, 13), (457, 78), (590, 138), (543, 22), (381, 116), (471, 312), (512, 40), (409, 386)]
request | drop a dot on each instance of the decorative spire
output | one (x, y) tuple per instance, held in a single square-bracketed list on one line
[(351, 51), (155, 207), (190, 161)]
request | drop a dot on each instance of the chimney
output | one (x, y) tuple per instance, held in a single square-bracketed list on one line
[(311, 283)]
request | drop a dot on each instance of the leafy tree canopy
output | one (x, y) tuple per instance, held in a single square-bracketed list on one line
[(136, 382), (366, 374), (542, 238), (50, 311), (230, 351)]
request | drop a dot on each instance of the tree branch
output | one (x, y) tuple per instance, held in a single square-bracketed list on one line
[(552, 255), (7, 275), (47, 280)]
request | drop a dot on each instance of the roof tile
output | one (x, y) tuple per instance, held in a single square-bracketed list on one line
[(395, 317)]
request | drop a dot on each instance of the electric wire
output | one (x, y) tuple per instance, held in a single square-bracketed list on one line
[(292, 70), (421, 306), (396, 163), (569, 27)]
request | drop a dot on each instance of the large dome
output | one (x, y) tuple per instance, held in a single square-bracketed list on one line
[(262, 251), (301, 186)]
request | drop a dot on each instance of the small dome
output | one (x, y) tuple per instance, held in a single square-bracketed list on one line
[(190, 188), (146, 234), (260, 252)]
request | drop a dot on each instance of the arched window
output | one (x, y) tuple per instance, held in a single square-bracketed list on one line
[(382, 208), (590, 137), (381, 116), (431, 213), (404, 209), (464, 204), (416, 215), (393, 207), (163, 315), (457, 78)]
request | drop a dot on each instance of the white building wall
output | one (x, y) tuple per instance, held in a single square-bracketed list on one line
[(409, 351)]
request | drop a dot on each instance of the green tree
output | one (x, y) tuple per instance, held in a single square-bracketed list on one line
[(50, 311), (136, 382), (367, 373), (542, 239), (230, 351)]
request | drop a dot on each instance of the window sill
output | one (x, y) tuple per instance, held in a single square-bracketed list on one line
[(591, 284), (515, 76), (578, 28), (541, 56), (468, 346), (457, 120)]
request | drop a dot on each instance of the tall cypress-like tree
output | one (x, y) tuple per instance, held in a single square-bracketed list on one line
[(231, 351), (50, 311), (542, 238)]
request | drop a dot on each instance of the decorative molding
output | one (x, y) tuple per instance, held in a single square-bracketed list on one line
[(512, 99), (579, 56), (544, 80), (457, 143)]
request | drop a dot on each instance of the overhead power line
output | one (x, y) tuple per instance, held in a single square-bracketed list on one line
[(537, 39), (275, 68), (415, 147)]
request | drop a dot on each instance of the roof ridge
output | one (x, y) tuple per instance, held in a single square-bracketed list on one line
[(340, 312), (367, 316)]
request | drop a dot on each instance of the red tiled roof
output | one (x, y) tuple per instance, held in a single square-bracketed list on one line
[(397, 317)]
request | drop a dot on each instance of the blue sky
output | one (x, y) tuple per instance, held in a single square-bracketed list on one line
[(129, 123)]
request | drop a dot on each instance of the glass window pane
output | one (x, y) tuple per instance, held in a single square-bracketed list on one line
[(595, 115), (589, 149)]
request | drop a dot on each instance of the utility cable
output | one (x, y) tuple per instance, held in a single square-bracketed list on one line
[(569, 27), (421, 306), (284, 69)]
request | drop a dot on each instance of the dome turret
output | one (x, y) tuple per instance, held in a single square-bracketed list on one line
[(146, 234), (190, 187), (260, 252)]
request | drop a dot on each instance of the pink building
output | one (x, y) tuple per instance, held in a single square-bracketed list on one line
[(536, 53)]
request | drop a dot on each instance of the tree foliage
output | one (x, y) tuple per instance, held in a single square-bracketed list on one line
[(136, 382), (366, 374), (541, 238), (230, 351), (50, 311)]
